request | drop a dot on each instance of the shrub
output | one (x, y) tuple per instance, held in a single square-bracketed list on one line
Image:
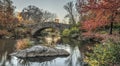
[(103, 32), (23, 43), (74, 30), (3, 33), (69, 32), (107, 54), (66, 33)]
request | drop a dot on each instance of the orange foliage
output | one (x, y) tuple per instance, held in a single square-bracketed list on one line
[(102, 12), (3, 32), (90, 25), (22, 44), (19, 17)]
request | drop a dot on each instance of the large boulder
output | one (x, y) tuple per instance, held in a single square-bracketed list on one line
[(39, 51)]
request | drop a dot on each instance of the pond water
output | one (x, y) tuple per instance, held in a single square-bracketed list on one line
[(73, 47)]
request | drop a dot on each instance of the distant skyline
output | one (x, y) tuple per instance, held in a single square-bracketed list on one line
[(53, 6)]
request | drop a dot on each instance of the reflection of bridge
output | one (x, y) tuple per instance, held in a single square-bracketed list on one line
[(58, 26)]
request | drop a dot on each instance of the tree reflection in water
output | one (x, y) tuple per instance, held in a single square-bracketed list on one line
[(42, 62), (6, 47), (5, 60), (75, 58), (22, 62)]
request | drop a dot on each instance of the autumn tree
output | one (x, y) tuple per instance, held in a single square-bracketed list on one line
[(8, 21), (7, 18), (6, 13), (48, 16), (103, 12), (32, 13), (37, 15), (69, 7)]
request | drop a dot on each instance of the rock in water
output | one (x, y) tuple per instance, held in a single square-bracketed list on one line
[(40, 51)]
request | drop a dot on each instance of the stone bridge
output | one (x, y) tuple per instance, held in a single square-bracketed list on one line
[(39, 27)]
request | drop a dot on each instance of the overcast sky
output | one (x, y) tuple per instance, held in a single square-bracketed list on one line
[(54, 6)]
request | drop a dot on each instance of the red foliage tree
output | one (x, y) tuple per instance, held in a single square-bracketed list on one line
[(103, 12)]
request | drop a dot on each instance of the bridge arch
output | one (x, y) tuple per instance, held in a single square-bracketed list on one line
[(38, 32), (39, 27)]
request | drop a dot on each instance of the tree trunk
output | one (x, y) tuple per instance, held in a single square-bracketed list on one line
[(111, 28), (111, 25), (73, 20)]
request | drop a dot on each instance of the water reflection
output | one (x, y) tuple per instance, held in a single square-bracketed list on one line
[(75, 58), (6, 47), (26, 62), (51, 40)]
